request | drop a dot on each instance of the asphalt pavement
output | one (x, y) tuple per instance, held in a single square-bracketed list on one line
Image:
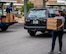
[(16, 40)]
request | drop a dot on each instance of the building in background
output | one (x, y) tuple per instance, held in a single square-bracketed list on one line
[(37, 3), (61, 1), (40, 2), (51, 2)]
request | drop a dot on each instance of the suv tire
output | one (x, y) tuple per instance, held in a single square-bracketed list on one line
[(43, 32), (4, 28), (32, 33)]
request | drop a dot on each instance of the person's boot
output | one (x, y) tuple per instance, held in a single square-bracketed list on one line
[(60, 52), (51, 52)]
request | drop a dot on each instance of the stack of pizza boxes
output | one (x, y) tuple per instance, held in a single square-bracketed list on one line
[(53, 24), (9, 18)]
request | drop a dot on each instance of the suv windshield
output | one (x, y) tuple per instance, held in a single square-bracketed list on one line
[(38, 13), (52, 11)]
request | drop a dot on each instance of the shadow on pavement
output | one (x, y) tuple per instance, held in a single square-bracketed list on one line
[(42, 36), (6, 31), (64, 52)]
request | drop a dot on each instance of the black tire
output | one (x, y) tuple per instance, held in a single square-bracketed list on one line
[(32, 33), (43, 32), (4, 28)]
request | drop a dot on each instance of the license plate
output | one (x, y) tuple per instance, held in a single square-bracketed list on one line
[(35, 21)]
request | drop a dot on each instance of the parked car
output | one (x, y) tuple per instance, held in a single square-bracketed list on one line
[(36, 20), (52, 12)]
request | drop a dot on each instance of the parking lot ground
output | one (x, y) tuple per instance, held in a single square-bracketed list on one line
[(16, 40)]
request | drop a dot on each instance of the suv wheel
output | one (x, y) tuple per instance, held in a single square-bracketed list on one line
[(43, 32), (4, 28), (32, 33)]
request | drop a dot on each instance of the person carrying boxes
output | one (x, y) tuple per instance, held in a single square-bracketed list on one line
[(58, 33), (9, 13)]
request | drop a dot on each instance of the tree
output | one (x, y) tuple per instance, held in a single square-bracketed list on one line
[(29, 6)]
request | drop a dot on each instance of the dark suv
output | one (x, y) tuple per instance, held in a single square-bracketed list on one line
[(36, 20)]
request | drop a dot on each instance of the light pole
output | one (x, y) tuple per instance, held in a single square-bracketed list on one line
[(44, 3), (2, 8), (25, 8)]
